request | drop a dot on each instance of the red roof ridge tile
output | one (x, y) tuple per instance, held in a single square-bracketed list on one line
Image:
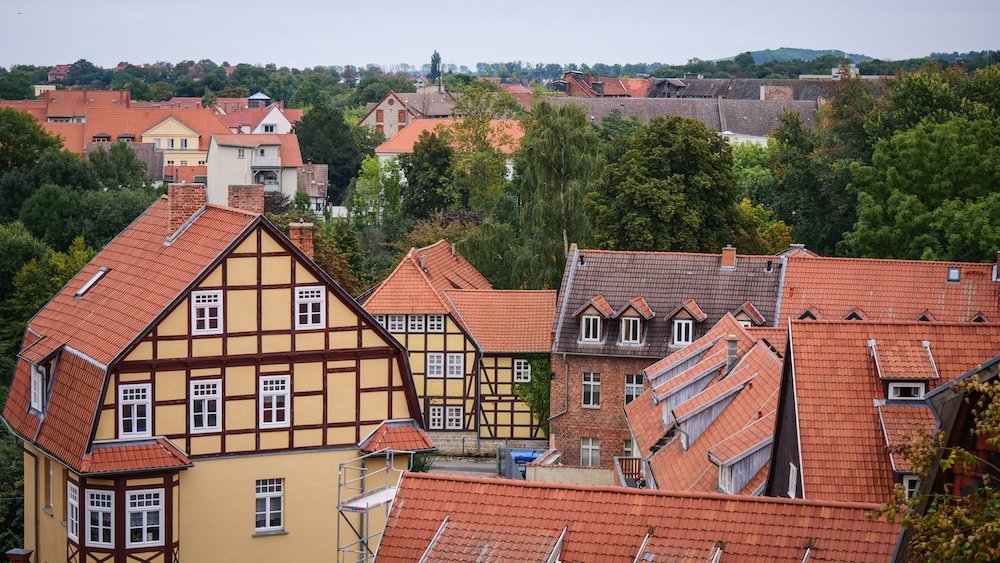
[(883, 260), (231, 209)]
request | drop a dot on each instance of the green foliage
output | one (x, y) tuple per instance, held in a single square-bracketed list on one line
[(374, 199), (373, 88), (422, 463), (327, 255), (535, 393), (435, 72), (11, 487), (324, 137), (17, 247), (428, 175), (756, 231), (118, 167), (22, 140), (616, 128), (673, 188), (790, 54)]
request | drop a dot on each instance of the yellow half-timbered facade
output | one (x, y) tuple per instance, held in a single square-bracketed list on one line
[(193, 393)]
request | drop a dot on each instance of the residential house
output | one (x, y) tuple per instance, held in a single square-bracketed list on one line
[(457, 518), (396, 110), (851, 392), (271, 160), (70, 106), (194, 391), (619, 312), (312, 181), (505, 136), (273, 119), (469, 346), (583, 84), (58, 73)]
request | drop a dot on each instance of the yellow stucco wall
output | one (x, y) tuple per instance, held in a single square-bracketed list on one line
[(500, 406)]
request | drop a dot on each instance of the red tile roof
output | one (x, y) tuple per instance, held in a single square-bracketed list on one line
[(69, 417), (753, 434), (597, 302), (506, 134), (506, 321), (612, 523), (288, 143), (888, 290), (836, 383), (640, 306), (398, 435), (467, 541), (904, 360), (901, 424), (119, 121), (691, 307), (752, 312), (123, 457)]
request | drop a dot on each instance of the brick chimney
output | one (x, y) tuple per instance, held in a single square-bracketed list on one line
[(301, 235), (729, 257), (249, 197), (183, 201)]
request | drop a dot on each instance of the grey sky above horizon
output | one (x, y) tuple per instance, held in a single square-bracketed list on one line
[(306, 33)]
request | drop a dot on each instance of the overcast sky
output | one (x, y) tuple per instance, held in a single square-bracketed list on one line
[(301, 33)]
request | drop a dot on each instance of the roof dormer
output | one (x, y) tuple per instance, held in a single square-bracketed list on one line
[(748, 315), (854, 315), (682, 323), (632, 317), (905, 367), (592, 315)]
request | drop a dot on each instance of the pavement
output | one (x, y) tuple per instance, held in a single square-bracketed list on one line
[(476, 467)]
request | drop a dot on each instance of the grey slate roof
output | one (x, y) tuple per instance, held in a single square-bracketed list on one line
[(664, 280), (428, 104), (747, 117)]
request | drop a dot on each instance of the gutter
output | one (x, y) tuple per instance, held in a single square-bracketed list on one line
[(781, 290), (559, 324)]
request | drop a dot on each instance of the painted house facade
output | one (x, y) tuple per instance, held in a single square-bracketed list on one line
[(270, 160), (191, 393), (397, 109)]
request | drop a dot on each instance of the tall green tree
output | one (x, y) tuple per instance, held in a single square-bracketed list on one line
[(118, 167), (435, 72), (428, 176), (325, 138), (673, 188), (17, 247), (22, 140)]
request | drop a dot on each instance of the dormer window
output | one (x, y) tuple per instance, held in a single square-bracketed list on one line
[(683, 331), (807, 315), (979, 318), (590, 328), (954, 274), (631, 332), (38, 388), (853, 316), (906, 391), (726, 479)]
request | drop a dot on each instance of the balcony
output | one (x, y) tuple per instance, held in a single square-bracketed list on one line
[(629, 470), (266, 161)]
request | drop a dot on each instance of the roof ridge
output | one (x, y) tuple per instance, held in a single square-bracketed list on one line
[(882, 260), (673, 253), (221, 207), (868, 323)]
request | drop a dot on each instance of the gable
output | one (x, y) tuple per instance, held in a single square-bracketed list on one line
[(170, 126)]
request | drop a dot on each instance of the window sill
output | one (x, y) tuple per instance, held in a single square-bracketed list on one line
[(266, 533), (593, 407)]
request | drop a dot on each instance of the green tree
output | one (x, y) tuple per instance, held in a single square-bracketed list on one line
[(327, 255), (17, 247), (50, 214), (536, 392), (374, 88), (428, 175), (435, 72), (325, 138), (375, 198), (104, 214), (22, 140), (672, 189), (117, 167)]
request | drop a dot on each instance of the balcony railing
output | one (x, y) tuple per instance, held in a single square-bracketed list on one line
[(266, 161), (629, 471)]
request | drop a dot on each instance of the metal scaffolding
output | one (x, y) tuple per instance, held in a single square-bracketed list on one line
[(365, 487)]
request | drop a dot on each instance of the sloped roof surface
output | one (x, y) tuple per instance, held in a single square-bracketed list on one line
[(904, 360), (120, 457), (467, 541), (902, 424), (843, 446), (429, 103), (507, 320), (610, 523), (402, 142), (398, 435), (119, 121)]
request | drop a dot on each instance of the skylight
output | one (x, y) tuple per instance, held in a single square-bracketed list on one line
[(90, 283)]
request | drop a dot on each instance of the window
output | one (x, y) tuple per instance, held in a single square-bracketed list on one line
[(590, 452), (745, 323), (100, 518), (270, 497), (591, 329), (793, 479), (241, 153), (184, 143), (170, 163), (170, 143), (144, 517), (38, 388), (726, 478), (201, 163), (156, 143), (206, 399), (269, 128), (401, 116), (906, 391), (90, 283), (435, 364), (807, 315), (274, 393), (954, 274), (73, 511), (309, 305), (911, 484), (682, 331), (633, 386), (435, 323), (380, 319), (261, 151), (436, 416), (416, 323), (591, 389), (184, 163), (630, 330), (397, 323), (453, 418), (133, 410), (379, 115), (522, 371), (628, 448), (456, 365), (206, 312)]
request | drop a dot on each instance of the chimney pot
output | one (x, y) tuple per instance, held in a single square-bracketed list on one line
[(183, 200), (301, 235), (731, 350), (729, 257), (249, 197)]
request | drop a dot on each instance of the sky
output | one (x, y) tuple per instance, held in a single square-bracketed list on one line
[(305, 33)]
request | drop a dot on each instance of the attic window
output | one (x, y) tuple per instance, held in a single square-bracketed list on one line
[(954, 275), (102, 138), (853, 316), (907, 391), (979, 318), (90, 283), (807, 315), (924, 319)]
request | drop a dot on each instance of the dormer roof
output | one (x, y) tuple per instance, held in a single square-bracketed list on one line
[(902, 425), (903, 360), (638, 305), (599, 303), (750, 438), (748, 308), (692, 308)]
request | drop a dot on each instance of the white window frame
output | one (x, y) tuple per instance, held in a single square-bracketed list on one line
[(269, 127), (123, 390), (629, 326), (380, 319), (73, 512), (200, 392), (911, 485), (455, 367), (590, 328), (435, 364), (453, 417), (241, 153), (435, 323), (154, 504), (590, 381), (682, 328), (920, 386), (268, 490), (522, 371), (726, 479), (38, 388), (954, 274), (275, 386), (184, 143), (313, 297), (793, 479), (210, 300), (108, 497), (397, 323), (745, 323), (435, 418), (415, 323), (634, 385), (590, 452), (170, 143), (628, 448)]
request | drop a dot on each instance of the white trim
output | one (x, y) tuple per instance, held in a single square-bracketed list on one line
[(674, 333), (437, 364), (435, 323), (640, 385), (72, 512), (907, 479), (37, 392), (584, 322), (625, 322), (435, 413), (90, 283), (593, 449), (595, 389), (156, 501), (920, 386), (795, 401), (310, 296), (208, 398), (110, 510), (522, 370), (455, 360), (207, 305), (286, 392), (456, 414), (148, 402), (793, 480), (415, 323), (397, 323), (276, 488)]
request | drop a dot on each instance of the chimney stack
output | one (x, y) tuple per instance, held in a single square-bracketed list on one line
[(301, 235), (183, 200), (729, 257), (731, 349), (249, 197)]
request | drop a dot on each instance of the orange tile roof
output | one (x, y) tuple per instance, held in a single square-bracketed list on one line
[(398, 435), (692, 307), (407, 137), (753, 434), (69, 417), (776, 337), (597, 302), (506, 321), (902, 424), (637, 87), (293, 115), (842, 443), (888, 290), (467, 541), (288, 143), (611, 523), (640, 306), (122, 457), (751, 312), (904, 360)]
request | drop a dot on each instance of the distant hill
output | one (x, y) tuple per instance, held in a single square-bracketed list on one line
[(789, 54)]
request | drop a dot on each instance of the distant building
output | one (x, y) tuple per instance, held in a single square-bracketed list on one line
[(59, 73), (396, 110), (270, 160)]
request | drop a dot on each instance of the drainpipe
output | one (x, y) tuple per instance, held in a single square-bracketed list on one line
[(34, 510)]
